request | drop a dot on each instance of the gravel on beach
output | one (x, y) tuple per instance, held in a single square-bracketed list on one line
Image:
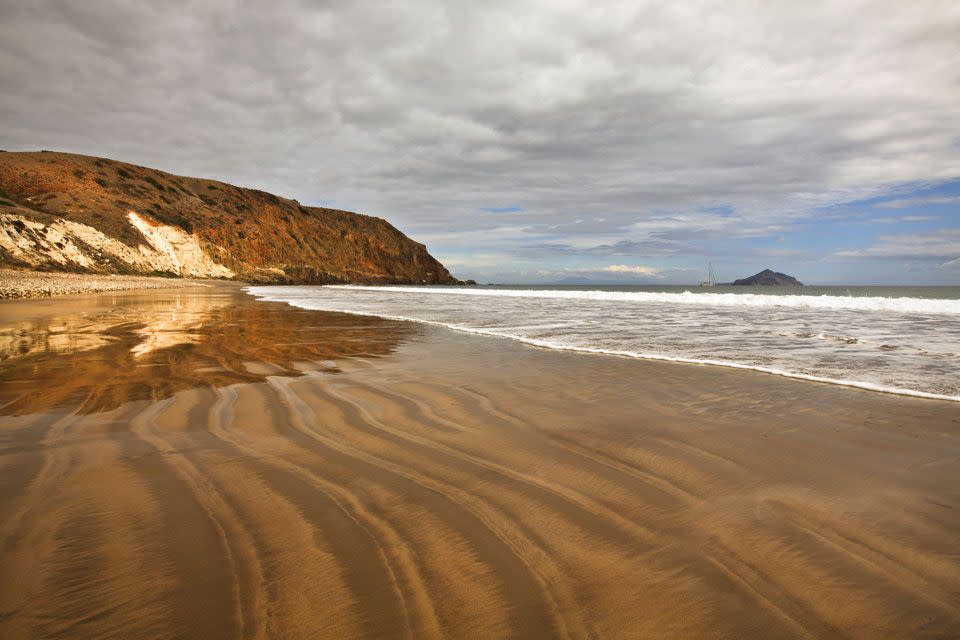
[(36, 284)]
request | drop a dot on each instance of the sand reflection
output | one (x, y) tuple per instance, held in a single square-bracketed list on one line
[(96, 354)]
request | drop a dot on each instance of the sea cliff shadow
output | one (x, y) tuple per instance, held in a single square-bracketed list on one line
[(96, 353)]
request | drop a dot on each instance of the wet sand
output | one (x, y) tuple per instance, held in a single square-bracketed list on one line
[(196, 464)]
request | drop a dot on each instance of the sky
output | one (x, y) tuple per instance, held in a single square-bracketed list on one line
[(535, 141)]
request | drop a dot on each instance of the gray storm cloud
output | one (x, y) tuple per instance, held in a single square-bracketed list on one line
[(593, 118)]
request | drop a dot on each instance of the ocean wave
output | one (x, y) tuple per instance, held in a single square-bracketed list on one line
[(852, 303), (270, 294), (838, 339)]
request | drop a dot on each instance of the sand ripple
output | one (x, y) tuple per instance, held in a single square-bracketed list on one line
[(433, 485)]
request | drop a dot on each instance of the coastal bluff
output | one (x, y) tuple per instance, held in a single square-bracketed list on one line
[(769, 278), (82, 214)]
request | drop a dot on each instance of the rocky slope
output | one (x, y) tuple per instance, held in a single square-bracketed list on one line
[(67, 212), (770, 278)]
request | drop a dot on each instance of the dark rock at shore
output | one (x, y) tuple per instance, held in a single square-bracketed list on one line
[(770, 278)]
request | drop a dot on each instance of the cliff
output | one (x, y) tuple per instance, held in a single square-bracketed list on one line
[(67, 212), (770, 278)]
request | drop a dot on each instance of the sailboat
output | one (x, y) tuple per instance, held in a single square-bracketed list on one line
[(711, 279)]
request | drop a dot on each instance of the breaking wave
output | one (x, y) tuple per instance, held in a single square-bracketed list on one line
[(906, 346), (850, 303)]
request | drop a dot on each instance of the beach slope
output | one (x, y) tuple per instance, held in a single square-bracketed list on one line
[(194, 463)]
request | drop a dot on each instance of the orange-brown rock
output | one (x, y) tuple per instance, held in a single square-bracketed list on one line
[(68, 212)]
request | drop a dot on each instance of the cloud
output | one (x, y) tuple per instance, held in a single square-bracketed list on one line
[(511, 209), (773, 252), (641, 270), (898, 220), (903, 203), (936, 245), (629, 129), (613, 274), (652, 246)]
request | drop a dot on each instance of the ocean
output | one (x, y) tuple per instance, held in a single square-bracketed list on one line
[(902, 340)]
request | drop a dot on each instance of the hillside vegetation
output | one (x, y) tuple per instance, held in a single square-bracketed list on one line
[(68, 212)]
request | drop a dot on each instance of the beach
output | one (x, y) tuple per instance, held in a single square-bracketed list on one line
[(192, 462), (40, 284)]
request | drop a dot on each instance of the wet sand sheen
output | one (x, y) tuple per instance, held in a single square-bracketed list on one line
[(192, 463)]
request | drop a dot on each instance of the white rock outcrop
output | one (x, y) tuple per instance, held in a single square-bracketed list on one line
[(65, 243)]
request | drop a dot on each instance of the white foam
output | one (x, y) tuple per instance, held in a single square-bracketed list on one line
[(854, 303), (271, 294)]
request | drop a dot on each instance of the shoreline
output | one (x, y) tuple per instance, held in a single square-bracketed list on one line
[(654, 357), (18, 285), (194, 462)]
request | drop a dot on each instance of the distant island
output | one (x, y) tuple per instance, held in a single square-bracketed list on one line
[(769, 278)]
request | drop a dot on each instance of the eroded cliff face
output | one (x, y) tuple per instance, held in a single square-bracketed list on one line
[(78, 213), (70, 246)]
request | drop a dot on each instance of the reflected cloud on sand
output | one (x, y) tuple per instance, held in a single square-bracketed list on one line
[(96, 354)]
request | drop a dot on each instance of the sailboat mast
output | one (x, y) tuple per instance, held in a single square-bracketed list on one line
[(711, 277)]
